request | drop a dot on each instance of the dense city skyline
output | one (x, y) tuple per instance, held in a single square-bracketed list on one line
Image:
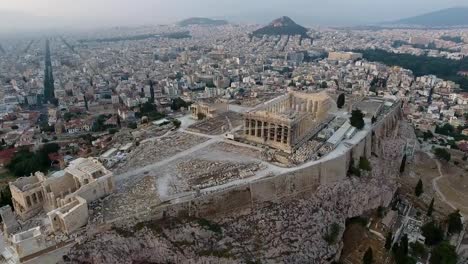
[(28, 14), (216, 131)]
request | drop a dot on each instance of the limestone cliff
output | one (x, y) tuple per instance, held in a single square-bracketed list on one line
[(289, 231)]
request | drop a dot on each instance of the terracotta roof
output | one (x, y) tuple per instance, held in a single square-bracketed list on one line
[(7, 154)]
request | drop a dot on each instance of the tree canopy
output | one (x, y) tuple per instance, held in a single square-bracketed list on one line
[(444, 254), (332, 234), (442, 153), (422, 65), (455, 224), (418, 190), (364, 164), (357, 119), (403, 164), (25, 162), (340, 101), (433, 233), (430, 210), (179, 103)]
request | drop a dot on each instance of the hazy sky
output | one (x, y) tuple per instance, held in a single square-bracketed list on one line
[(307, 12)]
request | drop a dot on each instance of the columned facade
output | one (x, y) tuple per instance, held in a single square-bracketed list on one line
[(287, 121)]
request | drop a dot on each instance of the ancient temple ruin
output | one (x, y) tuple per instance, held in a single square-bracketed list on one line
[(58, 202), (288, 121)]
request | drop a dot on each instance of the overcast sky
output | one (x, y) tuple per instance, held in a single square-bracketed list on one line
[(133, 12)]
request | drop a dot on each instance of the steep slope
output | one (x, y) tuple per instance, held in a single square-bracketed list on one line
[(282, 26), (457, 16), (289, 230)]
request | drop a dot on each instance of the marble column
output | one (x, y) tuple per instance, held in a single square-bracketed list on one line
[(256, 128), (283, 135), (246, 128), (262, 130), (276, 132), (252, 127), (280, 134)]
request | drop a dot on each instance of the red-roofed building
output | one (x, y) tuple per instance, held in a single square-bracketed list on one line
[(78, 125), (463, 146), (6, 156)]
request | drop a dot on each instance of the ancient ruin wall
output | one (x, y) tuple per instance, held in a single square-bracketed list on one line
[(301, 182)]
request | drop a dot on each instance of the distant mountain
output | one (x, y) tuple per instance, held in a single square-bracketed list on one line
[(202, 21), (457, 16), (282, 26)]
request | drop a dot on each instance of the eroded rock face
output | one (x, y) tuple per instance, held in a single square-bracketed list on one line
[(291, 231)]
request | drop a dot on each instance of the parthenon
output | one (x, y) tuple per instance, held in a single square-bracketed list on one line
[(287, 121)]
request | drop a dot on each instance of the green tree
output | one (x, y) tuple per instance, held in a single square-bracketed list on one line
[(388, 240), (430, 210), (422, 65), (404, 244), (147, 107), (364, 164), (332, 234), (324, 85), (443, 254), (446, 129), (46, 128), (179, 103), (400, 256), (176, 123), (455, 224), (352, 170), (427, 135), (69, 116), (418, 190), (25, 162), (50, 148), (112, 131), (368, 257), (442, 153), (132, 125), (86, 103), (340, 102), (403, 164), (418, 249), (357, 119), (433, 233)]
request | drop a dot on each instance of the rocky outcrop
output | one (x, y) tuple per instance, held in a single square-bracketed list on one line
[(289, 230), (282, 26)]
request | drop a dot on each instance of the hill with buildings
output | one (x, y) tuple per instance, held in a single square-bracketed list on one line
[(282, 26), (457, 16), (202, 21)]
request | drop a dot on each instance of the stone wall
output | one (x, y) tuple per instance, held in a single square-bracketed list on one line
[(27, 203), (94, 190), (70, 217), (29, 242)]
